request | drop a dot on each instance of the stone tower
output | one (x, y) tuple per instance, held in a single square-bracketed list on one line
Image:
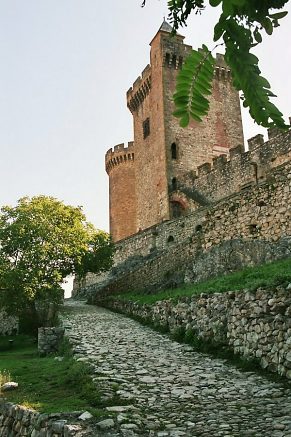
[(157, 183)]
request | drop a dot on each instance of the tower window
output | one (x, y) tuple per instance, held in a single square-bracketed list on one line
[(174, 61), (180, 62), (146, 128), (174, 151), (174, 183), (167, 59)]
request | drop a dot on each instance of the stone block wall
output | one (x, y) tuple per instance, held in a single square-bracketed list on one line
[(225, 177), (253, 324), (8, 324), (16, 421), (49, 339), (247, 228)]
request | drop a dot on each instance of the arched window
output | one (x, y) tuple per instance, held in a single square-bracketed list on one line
[(167, 60), (170, 239), (174, 151), (177, 209)]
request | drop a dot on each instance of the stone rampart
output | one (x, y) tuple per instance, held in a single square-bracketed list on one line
[(247, 228), (243, 173), (255, 325), (224, 177)]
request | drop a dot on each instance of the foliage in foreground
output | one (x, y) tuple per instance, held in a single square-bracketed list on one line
[(41, 242), (45, 384), (251, 278), (240, 28)]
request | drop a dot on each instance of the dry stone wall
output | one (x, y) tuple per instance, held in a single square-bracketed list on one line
[(16, 420), (49, 339), (255, 325)]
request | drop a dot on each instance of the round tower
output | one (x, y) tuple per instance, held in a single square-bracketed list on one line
[(119, 164)]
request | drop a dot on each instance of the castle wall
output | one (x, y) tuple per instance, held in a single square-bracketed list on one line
[(249, 227), (153, 178), (223, 179), (226, 177), (120, 166), (151, 182)]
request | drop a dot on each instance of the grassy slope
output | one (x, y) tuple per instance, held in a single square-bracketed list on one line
[(45, 384), (251, 278)]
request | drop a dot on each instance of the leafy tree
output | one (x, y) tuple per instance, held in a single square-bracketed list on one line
[(98, 256), (240, 28), (41, 242)]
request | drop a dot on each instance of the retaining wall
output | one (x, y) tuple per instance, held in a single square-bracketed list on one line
[(16, 420), (252, 324)]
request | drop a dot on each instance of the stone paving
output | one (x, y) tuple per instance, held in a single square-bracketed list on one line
[(168, 389)]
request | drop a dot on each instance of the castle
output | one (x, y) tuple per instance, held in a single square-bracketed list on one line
[(151, 179), (188, 204)]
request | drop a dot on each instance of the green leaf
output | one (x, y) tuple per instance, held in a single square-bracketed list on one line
[(279, 15), (255, 88), (202, 89), (227, 8), (267, 25), (214, 3), (258, 36), (185, 120), (264, 82), (195, 116), (179, 113), (219, 29), (189, 97)]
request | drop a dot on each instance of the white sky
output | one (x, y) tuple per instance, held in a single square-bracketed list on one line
[(65, 68)]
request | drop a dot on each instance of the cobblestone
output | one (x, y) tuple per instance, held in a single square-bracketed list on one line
[(168, 389)]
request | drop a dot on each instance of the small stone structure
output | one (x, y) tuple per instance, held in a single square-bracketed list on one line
[(8, 324), (253, 324), (49, 339), (16, 420)]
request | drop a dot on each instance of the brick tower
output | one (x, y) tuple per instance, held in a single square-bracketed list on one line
[(166, 156)]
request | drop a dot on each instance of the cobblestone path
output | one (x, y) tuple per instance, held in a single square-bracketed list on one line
[(173, 390)]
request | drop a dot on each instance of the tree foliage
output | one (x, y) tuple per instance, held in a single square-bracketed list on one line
[(98, 256), (241, 27), (41, 242)]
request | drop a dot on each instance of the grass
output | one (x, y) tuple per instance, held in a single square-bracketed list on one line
[(45, 384), (251, 278)]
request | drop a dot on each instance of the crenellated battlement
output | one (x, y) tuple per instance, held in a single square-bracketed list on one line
[(221, 69), (120, 154), (139, 90), (225, 176)]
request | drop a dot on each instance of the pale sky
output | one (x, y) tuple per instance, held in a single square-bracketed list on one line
[(65, 68)]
